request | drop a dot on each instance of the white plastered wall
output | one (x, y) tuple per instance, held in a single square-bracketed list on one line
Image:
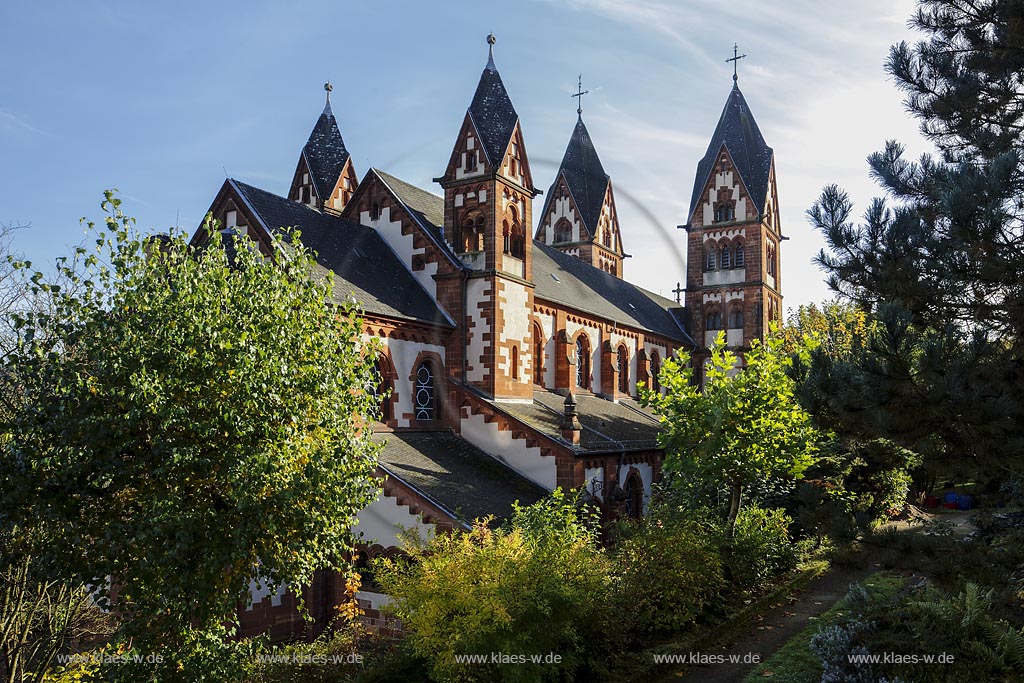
[(404, 246), (403, 355), (547, 330), (477, 291), (594, 337), (728, 180), (382, 520), (617, 339), (558, 209), (514, 303), (526, 460)]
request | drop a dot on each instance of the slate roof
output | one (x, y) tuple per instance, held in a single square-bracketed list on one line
[(325, 153), (456, 474), (426, 207), (567, 280), (752, 156), (607, 426), (585, 176), (575, 283), (493, 114), (364, 267)]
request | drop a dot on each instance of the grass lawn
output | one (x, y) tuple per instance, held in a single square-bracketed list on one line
[(795, 663)]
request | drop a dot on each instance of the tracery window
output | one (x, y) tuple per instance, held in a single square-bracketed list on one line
[(623, 370), (582, 362), (426, 408)]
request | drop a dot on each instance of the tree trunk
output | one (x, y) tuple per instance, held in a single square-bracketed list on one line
[(734, 508)]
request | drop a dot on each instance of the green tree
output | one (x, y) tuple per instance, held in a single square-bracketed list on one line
[(191, 419), (531, 588), (741, 427), (939, 261)]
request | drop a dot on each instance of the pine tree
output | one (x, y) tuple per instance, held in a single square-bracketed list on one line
[(940, 260)]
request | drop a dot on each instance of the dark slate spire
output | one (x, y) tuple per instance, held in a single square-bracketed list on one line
[(584, 175), (752, 156), (492, 111), (325, 151)]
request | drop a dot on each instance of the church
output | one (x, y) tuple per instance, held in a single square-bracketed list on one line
[(513, 348)]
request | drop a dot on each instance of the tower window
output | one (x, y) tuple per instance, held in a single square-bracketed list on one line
[(726, 258), (714, 320), (738, 260), (472, 238), (582, 362), (725, 212), (470, 161), (736, 318), (563, 231), (426, 409), (709, 263), (515, 362)]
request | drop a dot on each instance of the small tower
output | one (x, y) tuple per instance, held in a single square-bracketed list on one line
[(579, 215), (488, 192), (324, 178), (733, 281)]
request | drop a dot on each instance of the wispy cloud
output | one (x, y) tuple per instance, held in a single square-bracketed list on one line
[(13, 124)]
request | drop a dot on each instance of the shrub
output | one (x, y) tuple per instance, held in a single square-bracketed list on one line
[(528, 589), (669, 572), (760, 548)]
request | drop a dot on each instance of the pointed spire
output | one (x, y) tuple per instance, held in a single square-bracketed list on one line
[(325, 151), (491, 40), (584, 174), (327, 107), (752, 157), (492, 111)]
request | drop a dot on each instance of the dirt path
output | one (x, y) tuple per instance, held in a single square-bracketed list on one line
[(774, 628)]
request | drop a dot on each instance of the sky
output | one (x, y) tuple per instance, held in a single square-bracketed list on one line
[(164, 100)]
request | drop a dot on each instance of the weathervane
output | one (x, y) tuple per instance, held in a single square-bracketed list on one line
[(736, 57), (580, 92)]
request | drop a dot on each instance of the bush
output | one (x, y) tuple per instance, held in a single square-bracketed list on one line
[(760, 548), (528, 589), (669, 572)]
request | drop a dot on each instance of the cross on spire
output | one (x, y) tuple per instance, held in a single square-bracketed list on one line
[(678, 292), (580, 92), (736, 57)]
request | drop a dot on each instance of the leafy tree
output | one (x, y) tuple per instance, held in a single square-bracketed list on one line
[(530, 588), (191, 419), (838, 328), (939, 261), (741, 427)]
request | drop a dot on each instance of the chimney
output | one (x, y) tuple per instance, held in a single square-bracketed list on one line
[(571, 426)]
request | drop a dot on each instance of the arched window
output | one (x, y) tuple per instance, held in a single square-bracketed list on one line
[(655, 371), (518, 242), (563, 231), (709, 262), (515, 362), (634, 496), (425, 399), (738, 256), (375, 212), (623, 370), (472, 238), (714, 320), (380, 387), (735, 317), (538, 356), (506, 238), (582, 362), (470, 161), (726, 258), (724, 212)]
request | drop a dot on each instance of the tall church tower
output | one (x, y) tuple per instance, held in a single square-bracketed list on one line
[(488, 200), (579, 215), (324, 178), (733, 281)]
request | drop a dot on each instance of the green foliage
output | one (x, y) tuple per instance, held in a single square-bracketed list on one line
[(533, 588), (669, 574), (741, 427), (938, 261), (192, 419), (760, 548)]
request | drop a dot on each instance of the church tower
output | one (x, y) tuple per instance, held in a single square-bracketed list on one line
[(579, 216), (324, 178), (733, 281), (488, 200)]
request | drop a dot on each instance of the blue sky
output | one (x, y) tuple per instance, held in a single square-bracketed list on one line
[(161, 100)]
